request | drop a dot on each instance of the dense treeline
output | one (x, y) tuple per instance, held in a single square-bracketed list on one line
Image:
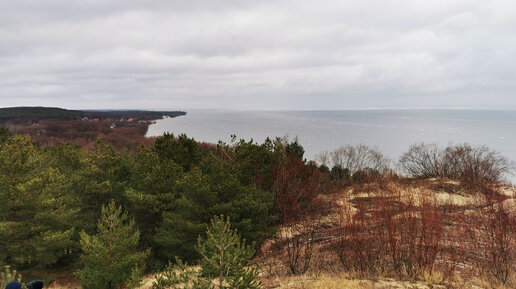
[(135, 114), (48, 195), (13, 113), (46, 113)]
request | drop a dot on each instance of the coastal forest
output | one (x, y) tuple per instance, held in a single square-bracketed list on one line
[(122, 129), (50, 195), (441, 217)]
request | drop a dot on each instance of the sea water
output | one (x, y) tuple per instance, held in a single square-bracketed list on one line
[(390, 131)]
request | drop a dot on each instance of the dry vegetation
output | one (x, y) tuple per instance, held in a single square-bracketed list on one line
[(432, 233), (120, 134)]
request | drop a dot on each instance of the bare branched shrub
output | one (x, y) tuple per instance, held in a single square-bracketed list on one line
[(298, 241), (389, 236), (356, 158), (357, 245), (423, 161), (343, 244), (499, 249), (323, 158), (475, 166), (425, 230), (362, 241), (491, 233), (297, 187)]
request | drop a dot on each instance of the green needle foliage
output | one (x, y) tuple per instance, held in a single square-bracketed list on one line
[(180, 276), (224, 263), (50, 193), (110, 259), (37, 211), (4, 134), (223, 254)]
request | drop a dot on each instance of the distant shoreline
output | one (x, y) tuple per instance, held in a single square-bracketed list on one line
[(123, 129), (35, 114)]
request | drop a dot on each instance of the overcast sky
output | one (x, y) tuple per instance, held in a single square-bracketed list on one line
[(259, 54)]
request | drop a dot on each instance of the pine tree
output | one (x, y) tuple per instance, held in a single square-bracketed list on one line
[(225, 257), (37, 212), (4, 134), (49, 217), (152, 191), (186, 220), (103, 176), (110, 259)]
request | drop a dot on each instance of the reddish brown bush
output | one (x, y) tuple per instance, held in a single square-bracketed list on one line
[(387, 235), (419, 238), (298, 241), (297, 187), (358, 244), (499, 251)]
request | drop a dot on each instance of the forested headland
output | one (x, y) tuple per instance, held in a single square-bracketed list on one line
[(122, 129), (31, 114), (439, 215)]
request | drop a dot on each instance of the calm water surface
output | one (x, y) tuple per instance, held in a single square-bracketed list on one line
[(390, 131)]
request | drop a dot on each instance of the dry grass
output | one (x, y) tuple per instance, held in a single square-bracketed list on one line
[(147, 282), (64, 285), (343, 281), (489, 283)]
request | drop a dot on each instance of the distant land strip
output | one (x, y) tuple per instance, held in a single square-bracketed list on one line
[(50, 126), (53, 113)]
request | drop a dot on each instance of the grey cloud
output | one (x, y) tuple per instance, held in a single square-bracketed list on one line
[(257, 54)]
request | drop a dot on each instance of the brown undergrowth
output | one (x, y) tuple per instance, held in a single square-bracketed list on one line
[(432, 232), (121, 135)]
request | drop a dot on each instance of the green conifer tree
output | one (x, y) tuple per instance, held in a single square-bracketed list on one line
[(4, 134), (103, 176), (110, 258), (37, 212), (151, 192), (225, 259)]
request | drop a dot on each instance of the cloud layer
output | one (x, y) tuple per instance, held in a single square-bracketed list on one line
[(242, 54)]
